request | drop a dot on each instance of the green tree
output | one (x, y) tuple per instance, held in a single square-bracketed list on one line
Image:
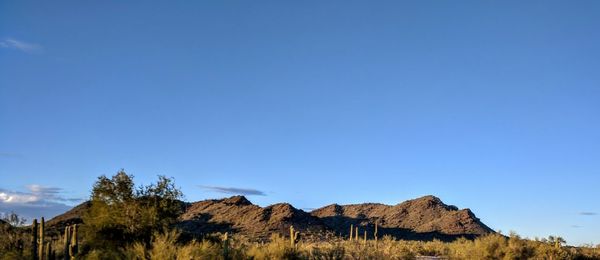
[(120, 213)]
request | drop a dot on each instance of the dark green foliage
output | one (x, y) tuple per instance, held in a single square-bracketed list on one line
[(120, 213)]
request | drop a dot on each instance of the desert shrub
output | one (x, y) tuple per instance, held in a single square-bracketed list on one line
[(489, 247), (166, 245), (277, 248), (14, 242), (518, 248), (102, 254), (327, 252), (200, 250), (434, 248), (135, 251), (121, 214)]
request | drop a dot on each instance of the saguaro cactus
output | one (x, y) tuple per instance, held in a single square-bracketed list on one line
[(40, 241), (70, 242), (48, 251), (356, 234), (74, 248), (351, 231), (225, 240), (34, 240), (293, 237), (67, 242)]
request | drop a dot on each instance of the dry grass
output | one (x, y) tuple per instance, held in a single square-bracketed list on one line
[(168, 246), (165, 246)]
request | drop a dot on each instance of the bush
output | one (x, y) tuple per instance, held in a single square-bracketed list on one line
[(120, 214)]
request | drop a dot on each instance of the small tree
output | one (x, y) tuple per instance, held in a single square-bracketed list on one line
[(120, 213)]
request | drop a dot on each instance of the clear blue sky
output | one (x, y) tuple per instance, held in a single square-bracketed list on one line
[(490, 105)]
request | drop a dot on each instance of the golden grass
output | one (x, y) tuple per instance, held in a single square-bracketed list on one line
[(165, 246)]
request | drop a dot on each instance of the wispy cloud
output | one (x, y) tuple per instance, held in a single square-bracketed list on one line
[(10, 43), (50, 193), (37, 201), (576, 226), (10, 155), (234, 191), (588, 213)]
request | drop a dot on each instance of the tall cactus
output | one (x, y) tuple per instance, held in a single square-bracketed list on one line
[(225, 239), (67, 242), (41, 241), (293, 237), (74, 248), (356, 234), (34, 240), (48, 251), (351, 231), (70, 242)]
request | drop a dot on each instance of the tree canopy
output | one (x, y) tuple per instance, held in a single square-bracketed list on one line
[(121, 212)]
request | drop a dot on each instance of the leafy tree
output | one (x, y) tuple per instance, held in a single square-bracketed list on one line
[(120, 213)]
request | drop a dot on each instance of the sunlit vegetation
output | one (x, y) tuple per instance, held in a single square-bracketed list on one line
[(125, 222)]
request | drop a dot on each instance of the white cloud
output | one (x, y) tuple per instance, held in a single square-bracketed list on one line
[(16, 197), (10, 43), (38, 201), (48, 192)]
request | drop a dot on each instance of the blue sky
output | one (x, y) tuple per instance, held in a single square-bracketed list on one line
[(490, 105)]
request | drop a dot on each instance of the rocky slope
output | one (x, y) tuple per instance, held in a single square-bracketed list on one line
[(238, 215), (424, 218), (73, 216)]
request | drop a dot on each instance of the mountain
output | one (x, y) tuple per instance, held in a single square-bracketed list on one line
[(423, 218), (238, 215)]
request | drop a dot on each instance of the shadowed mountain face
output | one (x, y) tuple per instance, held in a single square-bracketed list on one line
[(237, 214), (424, 218), (73, 216)]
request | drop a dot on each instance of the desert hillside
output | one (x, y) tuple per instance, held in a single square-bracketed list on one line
[(420, 219), (423, 218)]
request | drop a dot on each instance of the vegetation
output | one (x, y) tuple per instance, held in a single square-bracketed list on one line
[(122, 214), (125, 222), (167, 246)]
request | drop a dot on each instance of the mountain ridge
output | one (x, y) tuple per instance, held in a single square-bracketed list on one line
[(423, 218)]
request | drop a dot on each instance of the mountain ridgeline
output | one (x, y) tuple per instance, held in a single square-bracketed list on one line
[(424, 218)]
